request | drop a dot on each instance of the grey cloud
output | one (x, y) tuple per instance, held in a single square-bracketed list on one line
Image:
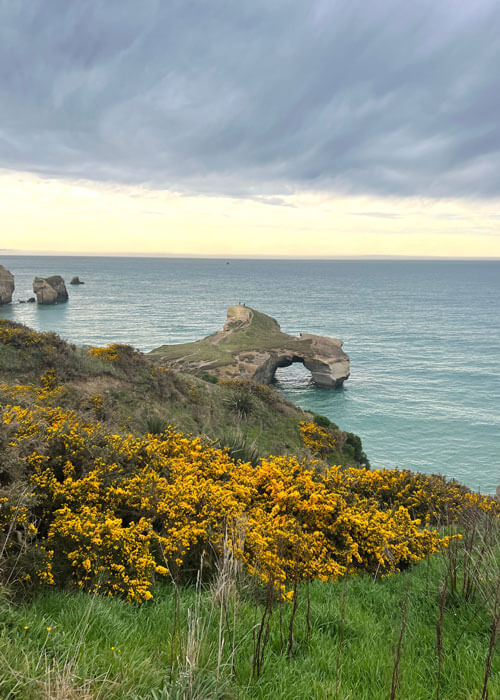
[(255, 99)]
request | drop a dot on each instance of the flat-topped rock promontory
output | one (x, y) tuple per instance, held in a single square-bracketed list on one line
[(252, 346)]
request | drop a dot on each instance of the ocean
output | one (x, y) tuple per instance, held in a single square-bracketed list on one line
[(423, 338)]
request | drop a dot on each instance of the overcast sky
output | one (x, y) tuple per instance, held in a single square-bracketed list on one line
[(255, 99), (240, 97)]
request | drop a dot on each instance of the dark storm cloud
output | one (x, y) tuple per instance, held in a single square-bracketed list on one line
[(254, 98)]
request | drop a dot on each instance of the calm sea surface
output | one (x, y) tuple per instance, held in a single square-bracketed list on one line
[(423, 338)]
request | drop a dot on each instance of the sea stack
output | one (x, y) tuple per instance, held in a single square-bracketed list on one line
[(76, 280), (6, 285), (50, 290)]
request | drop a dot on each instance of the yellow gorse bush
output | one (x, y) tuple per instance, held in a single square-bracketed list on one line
[(21, 337), (116, 352), (109, 353), (110, 512), (317, 439), (48, 391), (429, 497)]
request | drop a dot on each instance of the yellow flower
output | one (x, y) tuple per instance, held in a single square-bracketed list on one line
[(122, 509)]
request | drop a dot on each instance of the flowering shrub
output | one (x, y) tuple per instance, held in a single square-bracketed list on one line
[(48, 390), (19, 336), (109, 353), (426, 496), (16, 522), (30, 343), (110, 512), (317, 439), (114, 353), (97, 403), (104, 554)]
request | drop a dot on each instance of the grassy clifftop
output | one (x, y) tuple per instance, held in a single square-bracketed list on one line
[(131, 392), (253, 331)]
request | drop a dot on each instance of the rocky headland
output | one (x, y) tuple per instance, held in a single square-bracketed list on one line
[(252, 346)]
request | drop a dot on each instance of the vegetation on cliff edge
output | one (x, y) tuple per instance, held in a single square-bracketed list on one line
[(242, 552)]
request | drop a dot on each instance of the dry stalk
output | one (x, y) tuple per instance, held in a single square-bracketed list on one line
[(493, 602), (262, 637), (341, 636), (495, 626), (8, 535), (396, 673), (439, 635), (292, 618), (188, 662), (224, 589), (61, 684), (308, 608)]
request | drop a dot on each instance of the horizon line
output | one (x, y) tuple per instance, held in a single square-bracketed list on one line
[(186, 256)]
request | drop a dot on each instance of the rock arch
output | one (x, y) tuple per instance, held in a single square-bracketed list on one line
[(252, 346), (324, 358)]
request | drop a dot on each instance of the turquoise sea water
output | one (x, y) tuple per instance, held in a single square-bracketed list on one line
[(423, 338)]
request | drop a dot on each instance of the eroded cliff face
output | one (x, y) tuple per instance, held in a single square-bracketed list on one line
[(6, 285), (252, 346)]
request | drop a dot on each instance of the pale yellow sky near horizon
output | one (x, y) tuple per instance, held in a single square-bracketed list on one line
[(67, 216)]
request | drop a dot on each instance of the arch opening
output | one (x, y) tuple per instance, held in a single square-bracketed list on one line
[(292, 374)]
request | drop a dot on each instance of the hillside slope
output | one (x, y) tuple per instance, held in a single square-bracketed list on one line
[(128, 391)]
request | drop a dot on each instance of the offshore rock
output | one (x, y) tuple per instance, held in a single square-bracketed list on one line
[(6, 285), (251, 346), (50, 290), (76, 280)]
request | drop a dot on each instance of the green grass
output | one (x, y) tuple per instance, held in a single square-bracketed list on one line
[(78, 649), (262, 334), (196, 351)]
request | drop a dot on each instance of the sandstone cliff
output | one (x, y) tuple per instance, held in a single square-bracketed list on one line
[(252, 346)]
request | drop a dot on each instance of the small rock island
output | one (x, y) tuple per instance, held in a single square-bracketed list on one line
[(252, 346), (50, 290), (6, 285)]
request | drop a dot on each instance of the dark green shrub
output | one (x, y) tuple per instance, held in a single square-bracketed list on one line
[(210, 378), (353, 441), (322, 421)]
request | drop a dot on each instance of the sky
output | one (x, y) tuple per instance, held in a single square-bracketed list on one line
[(281, 128)]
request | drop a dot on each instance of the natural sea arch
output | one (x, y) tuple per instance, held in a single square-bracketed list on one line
[(293, 376)]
